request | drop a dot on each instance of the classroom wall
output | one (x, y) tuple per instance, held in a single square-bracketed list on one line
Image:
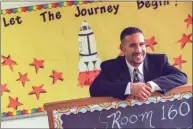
[(28, 122), (41, 121)]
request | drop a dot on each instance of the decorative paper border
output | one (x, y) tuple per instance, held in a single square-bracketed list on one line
[(116, 104), (45, 6), (22, 112)]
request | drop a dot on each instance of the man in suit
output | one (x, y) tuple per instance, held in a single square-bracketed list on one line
[(137, 73)]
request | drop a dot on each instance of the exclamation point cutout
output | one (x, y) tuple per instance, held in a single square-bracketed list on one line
[(176, 3)]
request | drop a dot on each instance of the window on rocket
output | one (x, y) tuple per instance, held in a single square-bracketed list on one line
[(84, 28)]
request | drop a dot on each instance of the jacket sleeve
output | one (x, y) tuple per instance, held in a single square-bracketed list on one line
[(171, 77), (106, 85)]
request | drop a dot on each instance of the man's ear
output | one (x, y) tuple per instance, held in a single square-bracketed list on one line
[(122, 47)]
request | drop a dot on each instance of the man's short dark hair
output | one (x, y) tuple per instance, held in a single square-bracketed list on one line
[(129, 31)]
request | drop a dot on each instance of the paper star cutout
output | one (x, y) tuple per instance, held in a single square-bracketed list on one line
[(56, 76), (4, 88), (188, 20), (38, 64), (14, 103), (178, 61), (8, 61), (185, 39), (150, 42), (23, 78), (37, 90)]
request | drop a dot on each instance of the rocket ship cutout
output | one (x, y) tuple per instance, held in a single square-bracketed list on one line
[(89, 64)]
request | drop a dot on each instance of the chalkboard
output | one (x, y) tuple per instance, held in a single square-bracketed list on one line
[(169, 114)]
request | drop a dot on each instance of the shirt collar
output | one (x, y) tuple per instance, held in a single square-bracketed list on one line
[(131, 68)]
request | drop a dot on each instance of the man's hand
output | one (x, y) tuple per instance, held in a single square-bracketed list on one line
[(141, 90)]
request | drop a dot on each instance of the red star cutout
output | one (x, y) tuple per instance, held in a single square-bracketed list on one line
[(38, 64), (8, 61), (4, 88), (178, 61), (14, 103), (23, 78), (37, 90), (56, 76), (150, 42), (185, 39), (188, 20)]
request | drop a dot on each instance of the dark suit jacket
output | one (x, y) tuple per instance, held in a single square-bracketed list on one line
[(114, 76)]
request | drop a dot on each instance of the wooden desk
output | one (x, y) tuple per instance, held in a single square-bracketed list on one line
[(49, 107)]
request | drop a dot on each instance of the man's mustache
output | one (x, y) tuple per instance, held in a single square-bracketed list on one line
[(137, 53)]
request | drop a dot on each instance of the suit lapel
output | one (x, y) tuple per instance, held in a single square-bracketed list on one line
[(123, 69), (146, 69)]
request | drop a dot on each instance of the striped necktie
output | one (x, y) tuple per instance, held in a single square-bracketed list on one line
[(137, 77)]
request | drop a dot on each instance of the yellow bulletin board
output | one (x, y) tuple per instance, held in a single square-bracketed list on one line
[(53, 52)]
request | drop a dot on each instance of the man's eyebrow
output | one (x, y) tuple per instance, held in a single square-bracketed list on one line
[(136, 43), (132, 43)]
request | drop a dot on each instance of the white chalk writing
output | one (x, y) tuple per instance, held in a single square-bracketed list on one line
[(118, 120), (172, 113)]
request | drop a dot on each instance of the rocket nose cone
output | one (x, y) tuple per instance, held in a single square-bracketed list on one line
[(84, 23)]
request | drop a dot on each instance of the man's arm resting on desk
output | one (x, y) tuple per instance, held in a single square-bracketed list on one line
[(171, 77), (139, 90), (153, 85)]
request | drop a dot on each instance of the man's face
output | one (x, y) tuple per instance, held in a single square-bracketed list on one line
[(134, 48)]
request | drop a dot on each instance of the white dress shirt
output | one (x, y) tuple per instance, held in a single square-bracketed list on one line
[(154, 86)]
